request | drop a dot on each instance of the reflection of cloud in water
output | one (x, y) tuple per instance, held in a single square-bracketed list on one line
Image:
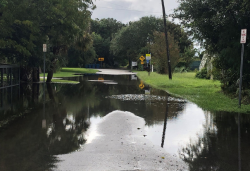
[(187, 126), (92, 133), (141, 97)]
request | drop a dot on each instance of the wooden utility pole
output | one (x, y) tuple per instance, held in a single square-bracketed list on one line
[(166, 38)]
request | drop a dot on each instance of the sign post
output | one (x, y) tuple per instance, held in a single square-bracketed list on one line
[(44, 120), (142, 58), (44, 51), (242, 41), (101, 59)]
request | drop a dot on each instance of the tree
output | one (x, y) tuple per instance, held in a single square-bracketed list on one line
[(159, 52), (67, 27), (217, 25), (103, 32), (132, 39), (26, 25), (188, 56)]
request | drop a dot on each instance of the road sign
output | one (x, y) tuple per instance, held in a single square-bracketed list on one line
[(147, 91), (133, 77), (147, 61), (243, 36), (141, 85), (148, 56), (142, 58), (134, 63), (142, 62), (44, 48), (100, 59)]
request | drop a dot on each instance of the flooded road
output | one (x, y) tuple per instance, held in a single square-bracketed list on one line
[(34, 132)]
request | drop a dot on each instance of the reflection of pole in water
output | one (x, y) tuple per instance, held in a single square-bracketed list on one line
[(11, 94), (2, 91), (239, 142), (44, 120), (88, 114), (165, 124)]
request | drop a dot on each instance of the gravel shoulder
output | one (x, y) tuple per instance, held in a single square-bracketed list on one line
[(120, 145)]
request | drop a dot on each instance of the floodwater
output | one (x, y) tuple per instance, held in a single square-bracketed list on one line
[(36, 126)]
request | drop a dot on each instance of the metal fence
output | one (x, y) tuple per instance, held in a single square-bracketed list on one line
[(10, 76)]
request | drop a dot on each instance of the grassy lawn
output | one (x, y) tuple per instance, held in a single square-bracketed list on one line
[(205, 93), (69, 72), (61, 81)]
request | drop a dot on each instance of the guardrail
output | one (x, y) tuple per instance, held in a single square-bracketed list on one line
[(10, 76)]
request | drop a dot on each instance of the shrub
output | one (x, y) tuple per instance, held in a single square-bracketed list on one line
[(202, 74)]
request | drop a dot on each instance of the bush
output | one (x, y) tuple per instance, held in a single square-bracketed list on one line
[(181, 69), (202, 74)]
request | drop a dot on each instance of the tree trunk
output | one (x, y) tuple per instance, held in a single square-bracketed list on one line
[(49, 76), (50, 92), (36, 76), (26, 74), (51, 70)]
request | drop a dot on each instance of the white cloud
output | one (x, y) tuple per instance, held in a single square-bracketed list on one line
[(131, 10)]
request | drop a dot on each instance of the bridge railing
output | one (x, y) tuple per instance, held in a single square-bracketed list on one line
[(9, 76)]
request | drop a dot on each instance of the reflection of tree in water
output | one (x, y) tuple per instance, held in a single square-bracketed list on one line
[(217, 148), (25, 145)]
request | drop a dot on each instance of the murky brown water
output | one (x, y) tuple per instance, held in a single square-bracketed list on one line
[(33, 132)]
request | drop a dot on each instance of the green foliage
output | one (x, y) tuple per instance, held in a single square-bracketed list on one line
[(188, 56), (103, 32), (159, 52), (180, 69), (26, 25), (132, 39), (217, 25), (202, 74)]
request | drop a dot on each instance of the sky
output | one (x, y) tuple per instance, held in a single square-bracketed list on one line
[(131, 10)]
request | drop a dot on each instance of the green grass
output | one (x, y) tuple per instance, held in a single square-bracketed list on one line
[(205, 93), (61, 81), (69, 72)]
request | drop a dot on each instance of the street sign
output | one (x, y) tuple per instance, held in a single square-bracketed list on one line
[(141, 85), (148, 56), (147, 91), (142, 62), (243, 36), (142, 58), (133, 77), (134, 63), (44, 48), (147, 61), (100, 59)]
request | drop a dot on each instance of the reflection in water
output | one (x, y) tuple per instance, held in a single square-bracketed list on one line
[(239, 148), (220, 143), (164, 125), (44, 120), (70, 114)]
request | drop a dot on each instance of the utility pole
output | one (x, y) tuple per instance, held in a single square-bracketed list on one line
[(166, 38)]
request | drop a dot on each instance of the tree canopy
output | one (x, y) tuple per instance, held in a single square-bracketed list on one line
[(131, 41), (26, 25), (217, 26)]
